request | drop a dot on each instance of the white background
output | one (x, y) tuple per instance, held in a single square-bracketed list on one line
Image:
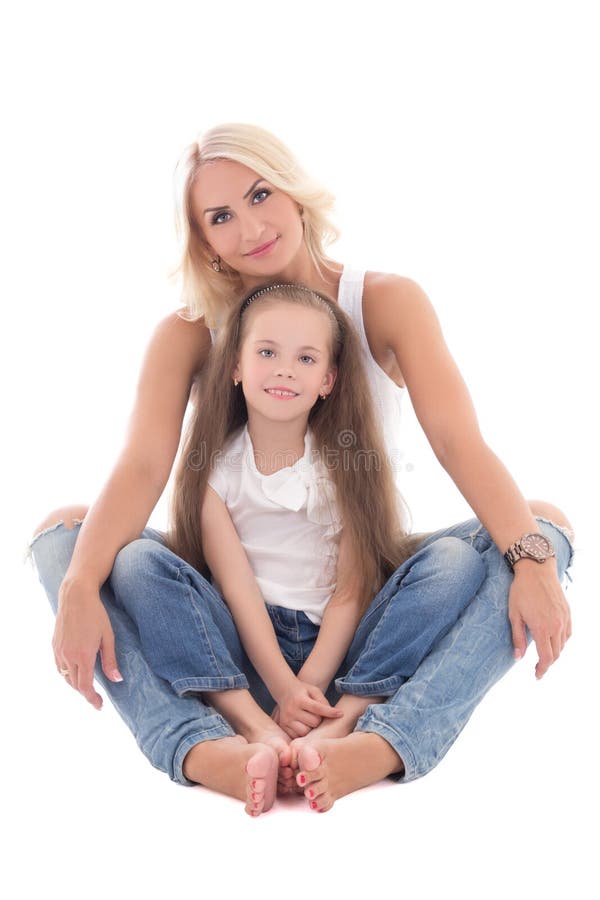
[(461, 140)]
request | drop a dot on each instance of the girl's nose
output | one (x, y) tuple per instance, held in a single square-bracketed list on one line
[(284, 370)]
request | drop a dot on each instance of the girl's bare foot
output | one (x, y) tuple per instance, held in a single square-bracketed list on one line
[(330, 768), (237, 768), (352, 706)]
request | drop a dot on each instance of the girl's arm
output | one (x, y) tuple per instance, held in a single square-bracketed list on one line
[(404, 319), (229, 565), (338, 627), (301, 706), (176, 352)]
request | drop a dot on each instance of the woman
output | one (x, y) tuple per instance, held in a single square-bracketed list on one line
[(249, 214)]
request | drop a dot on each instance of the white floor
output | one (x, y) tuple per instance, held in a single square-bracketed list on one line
[(507, 812), (461, 142)]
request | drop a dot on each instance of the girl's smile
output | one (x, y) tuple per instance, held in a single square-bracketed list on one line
[(285, 357)]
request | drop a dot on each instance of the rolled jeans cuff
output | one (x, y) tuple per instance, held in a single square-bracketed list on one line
[(385, 687), (398, 741), (183, 686), (219, 728)]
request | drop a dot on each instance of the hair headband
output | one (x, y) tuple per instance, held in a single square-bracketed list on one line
[(276, 287)]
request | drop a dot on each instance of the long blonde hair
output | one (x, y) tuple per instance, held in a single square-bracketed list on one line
[(206, 292), (345, 433)]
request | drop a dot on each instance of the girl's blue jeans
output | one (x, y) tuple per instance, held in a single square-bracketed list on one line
[(434, 640)]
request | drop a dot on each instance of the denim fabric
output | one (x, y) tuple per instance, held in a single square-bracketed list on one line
[(427, 713), (174, 636), (189, 638)]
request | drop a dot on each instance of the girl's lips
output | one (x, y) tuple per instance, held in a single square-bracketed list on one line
[(279, 393), (261, 251)]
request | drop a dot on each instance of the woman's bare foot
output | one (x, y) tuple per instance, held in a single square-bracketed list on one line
[(232, 766), (330, 768)]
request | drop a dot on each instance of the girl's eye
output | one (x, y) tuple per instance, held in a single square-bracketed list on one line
[(220, 217), (261, 195), (307, 357), (265, 350)]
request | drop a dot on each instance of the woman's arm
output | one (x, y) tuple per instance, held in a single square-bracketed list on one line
[(175, 354), (408, 324), (338, 627)]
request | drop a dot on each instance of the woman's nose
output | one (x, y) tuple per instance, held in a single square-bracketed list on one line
[(252, 227)]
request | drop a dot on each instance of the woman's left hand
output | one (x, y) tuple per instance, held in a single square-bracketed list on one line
[(536, 601)]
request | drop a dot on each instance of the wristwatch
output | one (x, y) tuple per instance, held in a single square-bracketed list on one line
[(530, 546)]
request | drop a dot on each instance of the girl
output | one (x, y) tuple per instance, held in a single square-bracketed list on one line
[(267, 501), (250, 214)]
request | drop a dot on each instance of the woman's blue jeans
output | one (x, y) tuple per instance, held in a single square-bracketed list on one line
[(434, 641)]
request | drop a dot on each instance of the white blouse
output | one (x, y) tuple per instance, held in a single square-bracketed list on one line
[(287, 522)]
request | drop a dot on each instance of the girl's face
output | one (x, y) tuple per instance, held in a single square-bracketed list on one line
[(284, 362), (254, 227)]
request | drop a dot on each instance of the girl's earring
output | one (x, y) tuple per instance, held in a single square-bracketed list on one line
[(235, 382), (322, 396), (216, 263)]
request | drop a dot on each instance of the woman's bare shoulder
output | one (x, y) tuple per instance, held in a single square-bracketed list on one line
[(181, 342), (395, 308), (389, 285)]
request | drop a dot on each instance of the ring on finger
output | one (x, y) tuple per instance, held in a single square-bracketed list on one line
[(63, 672)]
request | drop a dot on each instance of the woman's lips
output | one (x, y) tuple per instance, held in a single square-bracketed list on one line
[(261, 251)]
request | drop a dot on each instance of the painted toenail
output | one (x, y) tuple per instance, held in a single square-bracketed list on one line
[(313, 804), (302, 779), (253, 783), (311, 793)]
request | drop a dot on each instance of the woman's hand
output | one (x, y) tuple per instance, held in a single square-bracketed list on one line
[(302, 708), (82, 629), (536, 601)]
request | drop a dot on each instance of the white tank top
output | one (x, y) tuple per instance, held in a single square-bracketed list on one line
[(387, 396)]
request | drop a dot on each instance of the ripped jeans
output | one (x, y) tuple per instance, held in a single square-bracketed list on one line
[(421, 719)]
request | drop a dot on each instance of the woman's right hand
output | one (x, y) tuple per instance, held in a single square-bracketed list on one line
[(82, 629)]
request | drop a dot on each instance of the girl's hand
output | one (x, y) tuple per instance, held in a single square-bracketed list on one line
[(536, 601), (302, 708), (82, 629)]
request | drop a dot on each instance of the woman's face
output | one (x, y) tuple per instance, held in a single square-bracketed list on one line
[(285, 360), (254, 227)]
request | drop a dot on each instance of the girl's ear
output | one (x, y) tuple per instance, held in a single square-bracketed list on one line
[(329, 381)]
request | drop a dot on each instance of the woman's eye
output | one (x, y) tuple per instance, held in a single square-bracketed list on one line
[(219, 218), (261, 195)]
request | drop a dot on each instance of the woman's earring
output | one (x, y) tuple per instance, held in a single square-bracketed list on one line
[(235, 382), (216, 264), (322, 396)]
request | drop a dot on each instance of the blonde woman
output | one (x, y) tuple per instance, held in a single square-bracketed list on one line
[(250, 215)]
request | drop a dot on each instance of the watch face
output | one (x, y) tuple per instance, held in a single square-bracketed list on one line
[(536, 545)]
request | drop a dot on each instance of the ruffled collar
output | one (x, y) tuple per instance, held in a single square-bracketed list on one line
[(305, 484)]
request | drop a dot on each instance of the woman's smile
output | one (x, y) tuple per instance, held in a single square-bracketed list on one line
[(264, 248)]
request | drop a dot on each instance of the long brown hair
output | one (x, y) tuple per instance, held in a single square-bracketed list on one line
[(345, 433)]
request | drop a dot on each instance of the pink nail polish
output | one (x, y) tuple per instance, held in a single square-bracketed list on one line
[(313, 804), (302, 779), (311, 793)]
